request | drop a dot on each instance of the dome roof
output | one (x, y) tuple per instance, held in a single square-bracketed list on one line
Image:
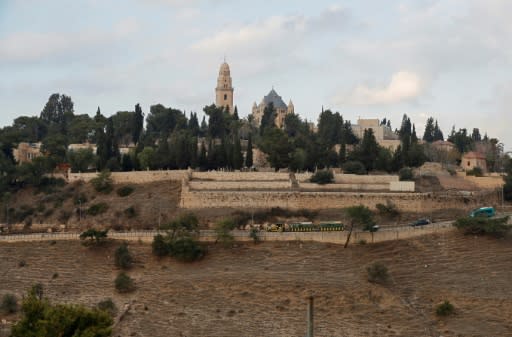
[(275, 99), (224, 69)]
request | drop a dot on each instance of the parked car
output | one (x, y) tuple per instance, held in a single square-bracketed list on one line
[(420, 222), (485, 212)]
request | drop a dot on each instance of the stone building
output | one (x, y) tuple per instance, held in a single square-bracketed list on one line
[(280, 107), (384, 135), (224, 89), (470, 160), (26, 152)]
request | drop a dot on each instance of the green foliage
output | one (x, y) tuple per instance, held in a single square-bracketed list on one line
[(496, 227), (123, 258), (43, 319), (103, 182), (108, 306), (388, 210), (476, 171), (124, 283), (354, 167), (322, 177), (445, 309), (98, 208), (81, 160), (9, 304), (277, 147), (223, 229), (180, 241), (405, 174), (94, 236), (253, 234), (377, 273), (125, 191), (130, 212), (248, 156)]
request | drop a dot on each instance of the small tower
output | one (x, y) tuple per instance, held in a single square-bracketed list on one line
[(224, 89), (291, 108)]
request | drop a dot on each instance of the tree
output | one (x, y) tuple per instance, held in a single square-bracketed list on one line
[(367, 151), (94, 236), (43, 319), (438, 134), (248, 156), (359, 215), (237, 157), (275, 144), (81, 160), (268, 118), (123, 257), (58, 112), (428, 134), (138, 124), (146, 158)]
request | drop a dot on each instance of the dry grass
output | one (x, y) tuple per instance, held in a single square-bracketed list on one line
[(261, 290)]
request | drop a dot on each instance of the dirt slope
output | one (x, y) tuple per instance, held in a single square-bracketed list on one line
[(260, 290)]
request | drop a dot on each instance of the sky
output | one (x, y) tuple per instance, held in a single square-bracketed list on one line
[(449, 59)]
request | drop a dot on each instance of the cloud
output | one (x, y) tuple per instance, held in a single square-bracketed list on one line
[(403, 86), (27, 47)]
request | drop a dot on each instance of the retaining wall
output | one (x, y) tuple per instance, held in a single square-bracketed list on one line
[(134, 177), (338, 187), (241, 176), (239, 185)]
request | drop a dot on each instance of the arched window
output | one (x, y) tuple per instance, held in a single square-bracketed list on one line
[(225, 97)]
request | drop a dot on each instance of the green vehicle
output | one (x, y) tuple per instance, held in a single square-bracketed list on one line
[(485, 212)]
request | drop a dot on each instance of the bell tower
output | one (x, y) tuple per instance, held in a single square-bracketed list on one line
[(224, 89)]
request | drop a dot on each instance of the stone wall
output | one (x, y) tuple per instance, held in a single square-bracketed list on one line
[(486, 182), (402, 186), (352, 178), (241, 176), (238, 185), (411, 202), (134, 177), (344, 187)]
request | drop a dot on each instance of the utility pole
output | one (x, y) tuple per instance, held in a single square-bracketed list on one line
[(310, 314)]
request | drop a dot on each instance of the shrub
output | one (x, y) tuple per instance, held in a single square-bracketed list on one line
[(130, 212), (108, 306), (377, 273), (160, 246), (388, 210), (476, 171), (125, 191), (64, 216), (496, 227), (253, 234), (9, 304), (94, 235), (103, 182), (222, 230), (124, 283), (405, 174), (354, 167), (98, 208), (445, 309), (123, 257), (186, 249), (322, 177)]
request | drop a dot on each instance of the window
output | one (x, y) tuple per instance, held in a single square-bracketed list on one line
[(225, 97), (469, 163)]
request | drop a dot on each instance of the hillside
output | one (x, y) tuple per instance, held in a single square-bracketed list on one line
[(260, 290)]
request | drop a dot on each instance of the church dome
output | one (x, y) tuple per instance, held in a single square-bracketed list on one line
[(224, 69)]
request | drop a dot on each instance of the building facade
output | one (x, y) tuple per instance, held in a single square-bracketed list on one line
[(384, 135), (280, 107), (471, 160), (224, 90), (26, 152)]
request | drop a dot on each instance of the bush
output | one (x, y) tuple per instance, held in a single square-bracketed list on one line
[(125, 191), (445, 309), (160, 246), (108, 306), (186, 249), (103, 182), (98, 208), (405, 174), (377, 273), (354, 167), (253, 234), (476, 171), (388, 210), (94, 235), (496, 227), (9, 304), (130, 212), (223, 229), (123, 257), (124, 283), (322, 177)]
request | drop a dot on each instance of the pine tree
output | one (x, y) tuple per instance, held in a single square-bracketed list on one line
[(238, 158), (428, 134), (438, 134), (138, 124)]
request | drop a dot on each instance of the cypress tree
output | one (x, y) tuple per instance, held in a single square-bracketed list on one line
[(248, 156)]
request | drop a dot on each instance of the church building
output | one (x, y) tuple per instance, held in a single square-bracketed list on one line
[(224, 89), (281, 109)]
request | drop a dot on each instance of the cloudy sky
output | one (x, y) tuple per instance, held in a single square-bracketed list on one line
[(450, 59)]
